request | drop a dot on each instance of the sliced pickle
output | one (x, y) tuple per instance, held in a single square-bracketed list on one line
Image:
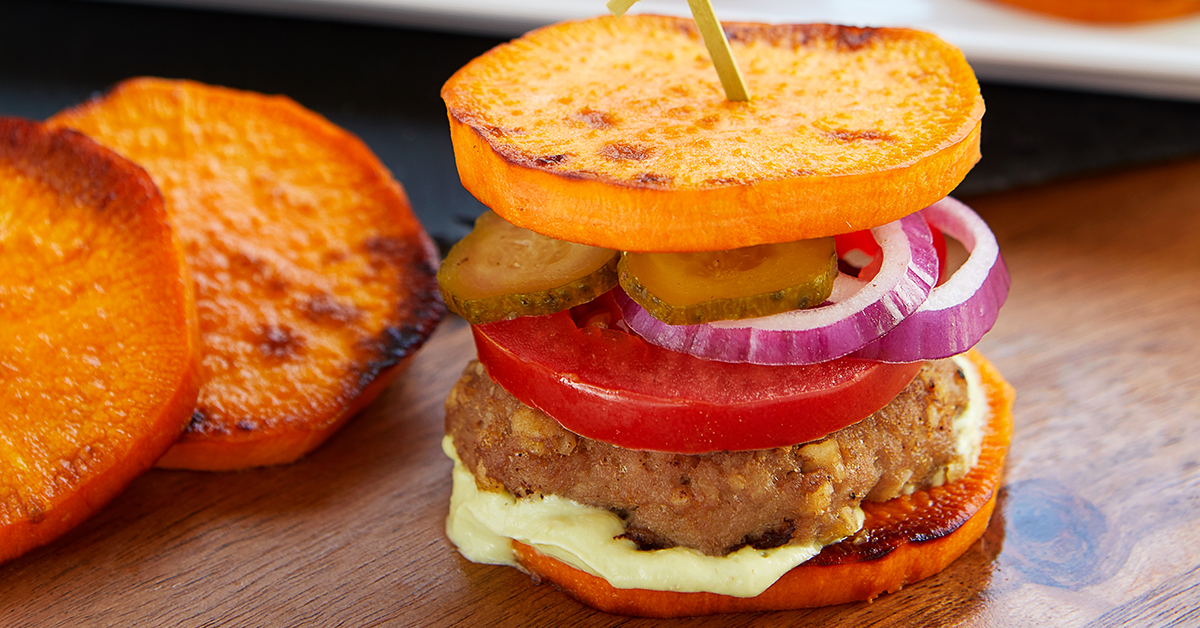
[(690, 288), (500, 271)]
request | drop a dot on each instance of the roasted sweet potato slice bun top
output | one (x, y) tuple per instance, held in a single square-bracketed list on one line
[(615, 132), (99, 355)]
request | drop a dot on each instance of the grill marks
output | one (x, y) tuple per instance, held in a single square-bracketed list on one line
[(279, 341), (847, 135), (846, 38), (325, 308), (596, 119), (849, 38), (618, 151)]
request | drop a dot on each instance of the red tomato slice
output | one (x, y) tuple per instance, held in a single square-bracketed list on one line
[(865, 242), (856, 240), (606, 384)]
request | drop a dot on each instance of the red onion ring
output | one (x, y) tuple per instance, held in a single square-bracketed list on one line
[(960, 311), (836, 328)]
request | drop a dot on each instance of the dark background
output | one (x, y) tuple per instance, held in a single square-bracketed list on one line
[(382, 83)]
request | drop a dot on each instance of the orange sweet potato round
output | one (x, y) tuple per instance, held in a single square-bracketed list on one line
[(615, 132), (903, 540), (1110, 11), (99, 356), (314, 280)]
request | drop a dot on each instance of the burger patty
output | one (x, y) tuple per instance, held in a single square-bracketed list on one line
[(715, 502)]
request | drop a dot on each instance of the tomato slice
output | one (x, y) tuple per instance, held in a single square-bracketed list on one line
[(856, 240), (865, 242), (579, 367)]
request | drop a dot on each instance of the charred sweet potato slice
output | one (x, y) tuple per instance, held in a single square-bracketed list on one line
[(314, 280), (615, 132), (99, 357), (903, 540)]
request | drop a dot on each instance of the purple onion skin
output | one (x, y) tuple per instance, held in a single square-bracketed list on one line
[(948, 323), (936, 334), (838, 338)]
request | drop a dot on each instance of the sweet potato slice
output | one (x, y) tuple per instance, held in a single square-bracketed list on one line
[(615, 132), (314, 280), (903, 540), (99, 356), (1110, 11)]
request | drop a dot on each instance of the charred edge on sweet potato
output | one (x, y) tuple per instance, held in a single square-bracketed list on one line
[(866, 545), (422, 298), (49, 155)]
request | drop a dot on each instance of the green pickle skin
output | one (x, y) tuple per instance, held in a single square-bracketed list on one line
[(500, 271), (510, 306), (809, 291)]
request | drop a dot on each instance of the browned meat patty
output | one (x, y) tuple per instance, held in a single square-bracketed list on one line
[(715, 502)]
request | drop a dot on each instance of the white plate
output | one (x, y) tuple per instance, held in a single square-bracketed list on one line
[(1157, 59)]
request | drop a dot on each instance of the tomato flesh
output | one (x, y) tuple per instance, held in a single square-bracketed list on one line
[(579, 367), (865, 242)]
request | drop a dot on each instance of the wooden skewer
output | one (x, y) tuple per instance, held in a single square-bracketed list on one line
[(714, 40), (619, 7)]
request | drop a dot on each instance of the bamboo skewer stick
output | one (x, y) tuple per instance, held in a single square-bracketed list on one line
[(714, 40)]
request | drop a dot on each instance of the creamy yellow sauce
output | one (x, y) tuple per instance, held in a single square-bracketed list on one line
[(968, 426), (483, 523)]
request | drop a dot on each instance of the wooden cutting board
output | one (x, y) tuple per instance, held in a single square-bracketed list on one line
[(1097, 523)]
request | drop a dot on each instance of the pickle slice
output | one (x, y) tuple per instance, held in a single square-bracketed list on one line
[(690, 288), (500, 271)]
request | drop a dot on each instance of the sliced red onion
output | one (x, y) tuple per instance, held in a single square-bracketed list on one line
[(960, 311), (836, 328)]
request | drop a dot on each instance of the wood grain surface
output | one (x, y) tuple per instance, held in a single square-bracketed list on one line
[(1097, 521)]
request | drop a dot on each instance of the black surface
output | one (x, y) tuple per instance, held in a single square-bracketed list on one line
[(383, 83)]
